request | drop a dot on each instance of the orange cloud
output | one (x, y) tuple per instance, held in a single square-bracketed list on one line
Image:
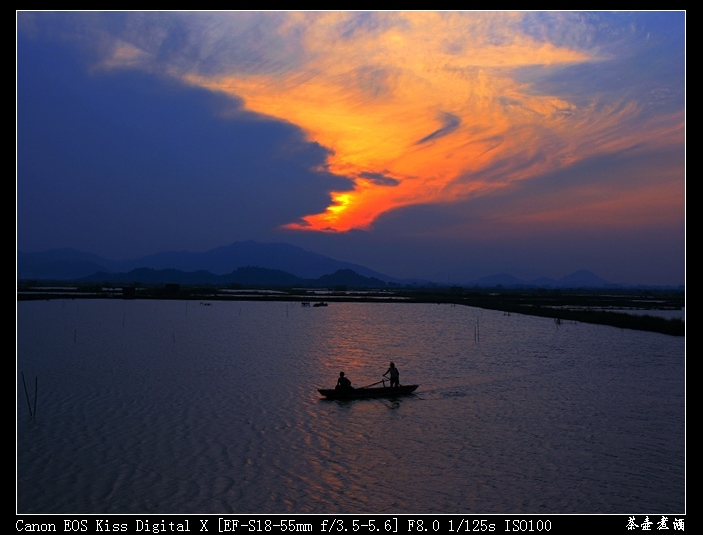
[(424, 107)]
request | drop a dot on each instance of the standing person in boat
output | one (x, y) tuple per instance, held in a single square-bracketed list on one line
[(343, 383), (394, 375)]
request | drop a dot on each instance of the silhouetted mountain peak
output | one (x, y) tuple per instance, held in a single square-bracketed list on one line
[(69, 264)]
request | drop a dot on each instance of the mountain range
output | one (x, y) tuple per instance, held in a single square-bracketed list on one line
[(227, 264)]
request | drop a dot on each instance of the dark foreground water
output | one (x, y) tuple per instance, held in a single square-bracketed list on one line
[(187, 407)]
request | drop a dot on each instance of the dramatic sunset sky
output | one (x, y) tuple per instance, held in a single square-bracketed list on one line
[(441, 145)]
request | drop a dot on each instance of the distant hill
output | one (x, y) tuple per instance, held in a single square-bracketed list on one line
[(350, 279), (67, 264), (59, 264), (223, 260), (231, 262), (583, 279), (245, 276)]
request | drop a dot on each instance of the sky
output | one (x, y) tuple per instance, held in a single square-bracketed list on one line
[(439, 145)]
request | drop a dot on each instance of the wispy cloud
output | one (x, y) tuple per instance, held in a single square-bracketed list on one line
[(442, 106), (450, 123)]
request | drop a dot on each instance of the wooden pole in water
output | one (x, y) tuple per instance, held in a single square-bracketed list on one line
[(26, 395), (36, 389)]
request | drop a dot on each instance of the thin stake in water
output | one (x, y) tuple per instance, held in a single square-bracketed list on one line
[(36, 390), (32, 413)]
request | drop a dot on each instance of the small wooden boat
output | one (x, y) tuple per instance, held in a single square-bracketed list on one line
[(367, 393)]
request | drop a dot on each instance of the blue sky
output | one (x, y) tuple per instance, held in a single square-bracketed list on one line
[(446, 145)]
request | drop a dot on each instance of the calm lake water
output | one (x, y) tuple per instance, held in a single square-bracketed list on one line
[(187, 407)]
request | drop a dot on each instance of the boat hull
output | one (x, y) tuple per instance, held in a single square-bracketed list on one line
[(368, 393)]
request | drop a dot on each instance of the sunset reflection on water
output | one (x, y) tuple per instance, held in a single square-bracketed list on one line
[(166, 407)]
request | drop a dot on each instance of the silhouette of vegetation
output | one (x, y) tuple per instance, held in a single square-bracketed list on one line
[(580, 305)]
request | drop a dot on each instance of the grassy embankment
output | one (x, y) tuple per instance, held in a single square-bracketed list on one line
[(586, 306)]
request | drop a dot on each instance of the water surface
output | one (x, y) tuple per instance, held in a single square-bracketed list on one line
[(187, 407)]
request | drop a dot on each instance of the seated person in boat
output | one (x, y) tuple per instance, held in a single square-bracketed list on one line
[(394, 375), (343, 383)]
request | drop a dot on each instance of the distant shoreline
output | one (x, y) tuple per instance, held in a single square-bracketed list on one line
[(578, 305)]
